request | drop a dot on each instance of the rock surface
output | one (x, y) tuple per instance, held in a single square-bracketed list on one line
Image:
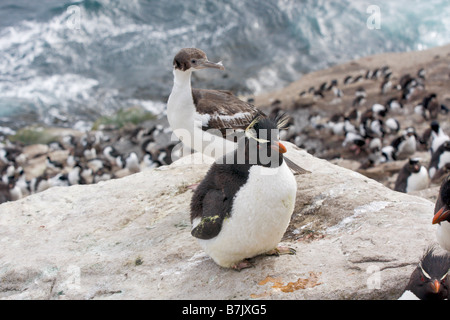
[(129, 238)]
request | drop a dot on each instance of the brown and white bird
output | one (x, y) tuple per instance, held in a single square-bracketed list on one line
[(207, 121)]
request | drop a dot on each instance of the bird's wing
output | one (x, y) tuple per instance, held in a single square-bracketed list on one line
[(220, 109), (214, 211), (213, 198), (400, 184)]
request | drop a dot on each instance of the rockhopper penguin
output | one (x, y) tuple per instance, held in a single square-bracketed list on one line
[(430, 280), (412, 177), (243, 206), (442, 215)]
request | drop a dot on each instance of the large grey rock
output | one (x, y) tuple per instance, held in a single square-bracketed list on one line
[(130, 239)]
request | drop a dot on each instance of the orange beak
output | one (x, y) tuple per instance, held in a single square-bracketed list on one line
[(441, 215), (279, 147), (435, 286)]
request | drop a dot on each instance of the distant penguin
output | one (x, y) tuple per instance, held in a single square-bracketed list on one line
[(348, 79), (22, 183), (375, 156), (379, 110), (439, 158), (406, 144), (392, 126), (388, 154), (394, 105), (421, 73), (54, 165), (385, 86), (74, 176), (242, 207), (60, 180), (5, 194), (412, 177), (359, 101), (15, 191), (441, 174), (430, 279), (130, 162), (336, 124), (431, 103), (437, 137), (442, 215), (360, 92), (90, 153), (354, 141)]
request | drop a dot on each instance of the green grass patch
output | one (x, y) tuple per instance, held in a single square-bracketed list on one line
[(132, 115), (33, 135)]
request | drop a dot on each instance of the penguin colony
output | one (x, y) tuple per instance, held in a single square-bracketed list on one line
[(81, 159), (402, 121), (370, 133)]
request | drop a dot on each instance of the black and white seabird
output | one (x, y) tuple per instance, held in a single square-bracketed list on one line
[(111, 154), (74, 176), (437, 136), (392, 125), (374, 151), (442, 215), (193, 113), (430, 279), (406, 144), (53, 165), (439, 158), (412, 177), (5, 194), (385, 86), (130, 162), (442, 173), (388, 154), (394, 105), (243, 206)]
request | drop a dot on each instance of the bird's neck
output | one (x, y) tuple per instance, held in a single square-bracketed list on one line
[(180, 106), (181, 114)]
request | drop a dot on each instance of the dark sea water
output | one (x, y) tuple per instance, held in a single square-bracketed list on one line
[(69, 62)]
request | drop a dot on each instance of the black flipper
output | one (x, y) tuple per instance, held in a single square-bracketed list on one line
[(215, 209)]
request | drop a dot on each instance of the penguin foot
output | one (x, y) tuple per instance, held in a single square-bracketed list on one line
[(244, 264), (280, 250), (193, 186)]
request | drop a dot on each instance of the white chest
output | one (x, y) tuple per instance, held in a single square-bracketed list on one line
[(418, 181), (443, 235), (444, 159), (408, 146), (261, 212)]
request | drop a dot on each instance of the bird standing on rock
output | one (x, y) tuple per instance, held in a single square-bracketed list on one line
[(412, 177), (442, 215), (192, 113), (244, 204)]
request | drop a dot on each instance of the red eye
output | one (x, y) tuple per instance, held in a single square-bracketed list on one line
[(422, 279)]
